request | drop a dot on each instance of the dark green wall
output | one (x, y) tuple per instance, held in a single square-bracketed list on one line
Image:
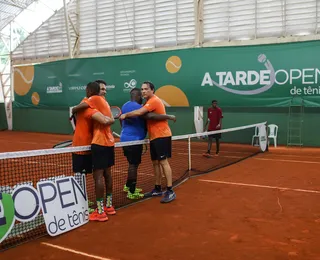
[(3, 119), (57, 121), (41, 120)]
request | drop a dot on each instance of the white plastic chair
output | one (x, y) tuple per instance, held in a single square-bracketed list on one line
[(256, 135), (272, 134)]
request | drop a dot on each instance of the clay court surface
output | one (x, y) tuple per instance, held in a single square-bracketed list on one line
[(265, 207)]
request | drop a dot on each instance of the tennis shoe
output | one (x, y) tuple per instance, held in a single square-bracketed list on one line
[(127, 189), (96, 216), (110, 210), (208, 155), (153, 193), (134, 196), (169, 196)]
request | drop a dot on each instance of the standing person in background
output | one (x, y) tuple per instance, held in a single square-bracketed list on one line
[(134, 129), (160, 141), (214, 120)]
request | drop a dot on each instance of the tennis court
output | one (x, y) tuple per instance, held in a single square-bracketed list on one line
[(263, 207)]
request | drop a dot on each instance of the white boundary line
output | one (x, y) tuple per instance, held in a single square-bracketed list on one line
[(271, 154), (259, 186), (221, 156), (75, 251), (283, 160), (256, 158)]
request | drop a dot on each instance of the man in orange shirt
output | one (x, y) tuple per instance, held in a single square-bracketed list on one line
[(103, 87), (81, 161), (102, 148), (160, 141)]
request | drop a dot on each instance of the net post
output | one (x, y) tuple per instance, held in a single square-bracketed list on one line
[(267, 150), (189, 152)]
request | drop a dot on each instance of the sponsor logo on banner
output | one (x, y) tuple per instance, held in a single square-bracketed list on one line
[(109, 87), (83, 88), (130, 82), (77, 88), (128, 86), (62, 200), (64, 204), (6, 215), (265, 79), (127, 73), (54, 89)]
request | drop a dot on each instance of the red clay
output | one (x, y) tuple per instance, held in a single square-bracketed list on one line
[(210, 220)]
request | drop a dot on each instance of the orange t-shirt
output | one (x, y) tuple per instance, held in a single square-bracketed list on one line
[(102, 134), (84, 127), (157, 129)]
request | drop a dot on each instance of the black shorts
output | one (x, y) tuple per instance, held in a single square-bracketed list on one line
[(82, 163), (102, 156), (216, 136), (133, 153), (160, 148)]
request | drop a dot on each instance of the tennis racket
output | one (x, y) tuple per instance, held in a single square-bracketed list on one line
[(63, 144), (116, 112), (73, 121), (116, 134), (72, 118)]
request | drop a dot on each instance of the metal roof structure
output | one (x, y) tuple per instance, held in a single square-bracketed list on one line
[(107, 27), (10, 9)]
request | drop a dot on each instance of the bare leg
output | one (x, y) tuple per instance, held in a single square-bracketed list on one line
[(108, 180), (132, 177), (169, 194), (99, 188), (157, 172), (167, 171), (109, 188), (217, 145), (209, 143)]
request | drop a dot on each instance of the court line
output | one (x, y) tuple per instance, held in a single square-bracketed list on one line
[(257, 158), (223, 156), (200, 153), (260, 186), (75, 251), (283, 160), (291, 155)]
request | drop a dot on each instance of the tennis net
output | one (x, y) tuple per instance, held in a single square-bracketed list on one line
[(27, 168)]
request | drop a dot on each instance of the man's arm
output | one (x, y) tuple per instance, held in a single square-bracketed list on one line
[(208, 121), (205, 127), (79, 107), (220, 119), (158, 117), (100, 118), (138, 112)]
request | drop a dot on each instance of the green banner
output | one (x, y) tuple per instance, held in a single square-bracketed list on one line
[(245, 76)]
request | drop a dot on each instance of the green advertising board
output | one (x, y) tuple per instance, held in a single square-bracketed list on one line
[(245, 76)]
